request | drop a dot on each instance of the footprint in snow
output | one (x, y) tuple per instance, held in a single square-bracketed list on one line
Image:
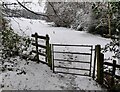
[(53, 32)]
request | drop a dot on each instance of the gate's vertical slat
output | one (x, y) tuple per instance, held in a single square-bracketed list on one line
[(47, 48), (53, 58), (91, 61), (94, 66)]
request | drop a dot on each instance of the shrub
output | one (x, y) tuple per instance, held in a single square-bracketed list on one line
[(13, 44)]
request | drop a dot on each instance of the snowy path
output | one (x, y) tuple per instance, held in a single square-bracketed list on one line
[(39, 76), (71, 85)]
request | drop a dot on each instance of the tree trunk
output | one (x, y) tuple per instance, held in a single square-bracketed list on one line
[(109, 20)]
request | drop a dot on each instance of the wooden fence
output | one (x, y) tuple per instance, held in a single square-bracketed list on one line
[(112, 73), (99, 58), (47, 47)]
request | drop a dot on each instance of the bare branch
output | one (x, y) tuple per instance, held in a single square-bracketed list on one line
[(55, 12), (31, 10)]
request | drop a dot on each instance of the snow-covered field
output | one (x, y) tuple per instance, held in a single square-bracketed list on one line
[(32, 76)]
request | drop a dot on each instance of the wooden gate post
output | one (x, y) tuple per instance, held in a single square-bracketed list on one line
[(36, 42), (94, 66), (100, 59), (98, 49), (48, 52), (101, 68)]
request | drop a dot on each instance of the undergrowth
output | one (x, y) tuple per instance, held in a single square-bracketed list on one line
[(12, 45)]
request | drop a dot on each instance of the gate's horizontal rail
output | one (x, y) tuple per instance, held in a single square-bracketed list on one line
[(72, 68), (72, 45), (72, 53), (71, 61), (38, 53), (42, 46), (41, 37), (59, 67), (72, 73)]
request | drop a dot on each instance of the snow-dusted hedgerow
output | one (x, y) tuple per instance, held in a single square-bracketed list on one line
[(12, 43)]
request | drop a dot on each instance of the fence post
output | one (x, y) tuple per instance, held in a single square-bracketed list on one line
[(48, 52), (113, 73), (100, 59), (101, 68), (36, 42), (94, 67)]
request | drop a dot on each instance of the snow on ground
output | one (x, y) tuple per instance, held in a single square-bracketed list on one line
[(39, 76), (57, 34)]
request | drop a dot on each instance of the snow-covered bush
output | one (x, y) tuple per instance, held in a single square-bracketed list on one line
[(114, 47), (106, 23), (12, 43), (11, 46)]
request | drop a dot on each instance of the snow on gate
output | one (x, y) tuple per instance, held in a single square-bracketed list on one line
[(72, 59)]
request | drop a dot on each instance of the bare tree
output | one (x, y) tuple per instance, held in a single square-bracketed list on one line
[(67, 14), (32, 11)]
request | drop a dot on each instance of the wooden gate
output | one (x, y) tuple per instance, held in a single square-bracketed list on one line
[(72, 59)]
